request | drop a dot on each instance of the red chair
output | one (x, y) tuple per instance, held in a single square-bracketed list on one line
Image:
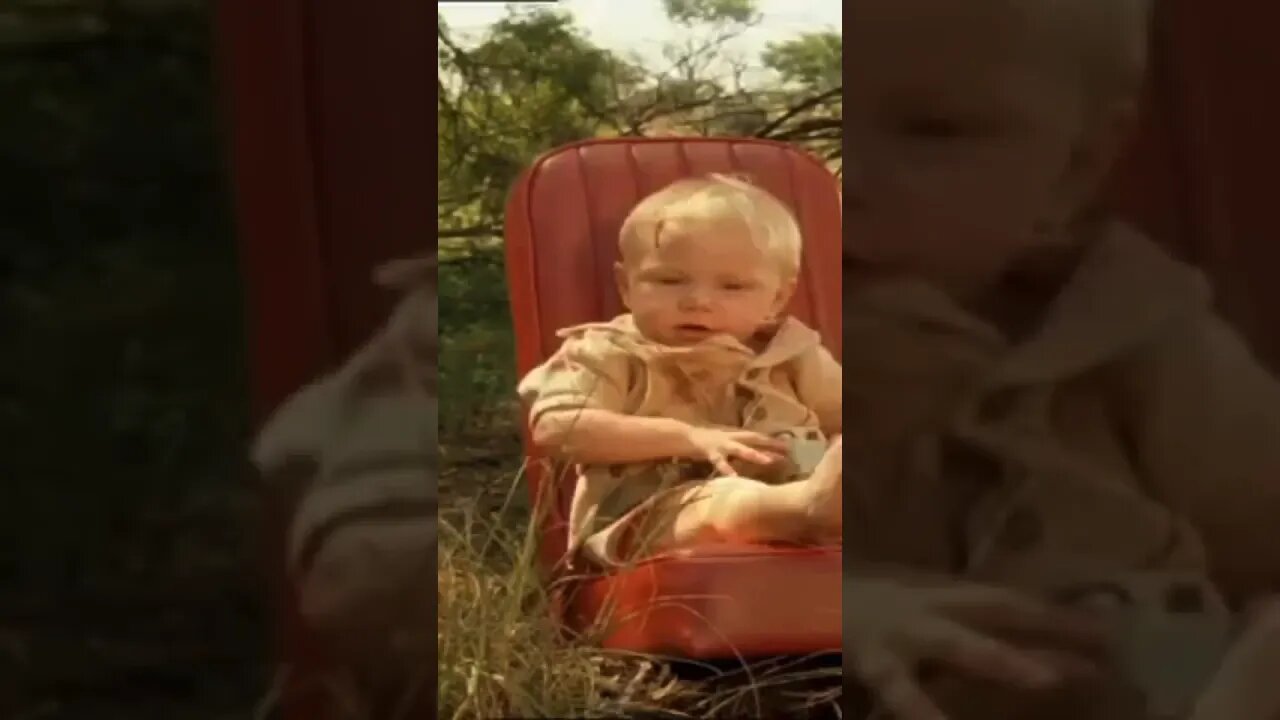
[(561, 242)]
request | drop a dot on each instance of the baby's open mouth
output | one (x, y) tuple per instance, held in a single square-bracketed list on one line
[(693, 328)]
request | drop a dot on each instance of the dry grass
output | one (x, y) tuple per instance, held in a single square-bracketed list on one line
[(501, 654)]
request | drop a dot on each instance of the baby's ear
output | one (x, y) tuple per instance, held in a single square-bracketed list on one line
[(1097, 152), (623, 284), (783, 297)]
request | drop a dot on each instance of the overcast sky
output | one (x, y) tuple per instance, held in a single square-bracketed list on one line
[(640, 26)]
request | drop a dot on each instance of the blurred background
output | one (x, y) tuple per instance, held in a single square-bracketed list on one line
[(126, 557)]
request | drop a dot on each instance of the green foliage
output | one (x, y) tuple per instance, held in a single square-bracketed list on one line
[(812, 60), (477, 348), (691, 12), (533, 83), (120, 277), (106, 131), (122, 394)]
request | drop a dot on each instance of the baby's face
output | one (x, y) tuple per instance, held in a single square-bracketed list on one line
[(701, 280), (964, 128)]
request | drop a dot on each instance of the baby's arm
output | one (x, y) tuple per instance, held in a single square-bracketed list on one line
[(820, 386), (1203, 418), (596, 436), (602, 437), (577, 402)]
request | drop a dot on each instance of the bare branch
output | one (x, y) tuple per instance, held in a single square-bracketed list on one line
[(459, 55), (692, 52), (812, 128), (805, 105)]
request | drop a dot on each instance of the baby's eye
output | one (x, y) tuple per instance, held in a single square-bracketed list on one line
[(670, 280), (736, 286)]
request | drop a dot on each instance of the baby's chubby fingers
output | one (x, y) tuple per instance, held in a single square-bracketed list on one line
[(759, 441), (981, 656), (744, 452), (722, 465), (893, 684), (1005, 612)]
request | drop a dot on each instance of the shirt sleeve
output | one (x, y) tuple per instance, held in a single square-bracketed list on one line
[(1203, 416), (584, 373), (820, 387)]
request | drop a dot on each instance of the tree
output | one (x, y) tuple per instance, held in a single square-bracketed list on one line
[(711, 11), (812, 60), (122, 401), (534, 82)]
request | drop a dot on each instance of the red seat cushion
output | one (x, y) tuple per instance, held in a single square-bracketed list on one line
[(719, 602), (561, 241)]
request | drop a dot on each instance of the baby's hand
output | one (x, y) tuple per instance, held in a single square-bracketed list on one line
[(1245, 685), (718, 447), (892, 628)]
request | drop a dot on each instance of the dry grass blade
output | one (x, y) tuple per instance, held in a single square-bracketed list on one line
[(501, 654)]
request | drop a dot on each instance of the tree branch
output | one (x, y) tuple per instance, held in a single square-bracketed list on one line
[(812, 129), (459, 56), (807, 104)]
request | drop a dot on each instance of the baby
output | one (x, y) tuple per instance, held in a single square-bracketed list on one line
[(1045, 400), (351, 462), (695, 417)]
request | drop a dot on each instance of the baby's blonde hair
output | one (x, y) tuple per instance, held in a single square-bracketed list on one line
[(712, 198), (1109, 41)]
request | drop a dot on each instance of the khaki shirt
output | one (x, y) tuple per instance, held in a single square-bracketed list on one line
[(794, 383), (1133, 432)]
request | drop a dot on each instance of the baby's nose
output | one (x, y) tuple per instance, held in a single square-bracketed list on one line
[(696, 298)]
